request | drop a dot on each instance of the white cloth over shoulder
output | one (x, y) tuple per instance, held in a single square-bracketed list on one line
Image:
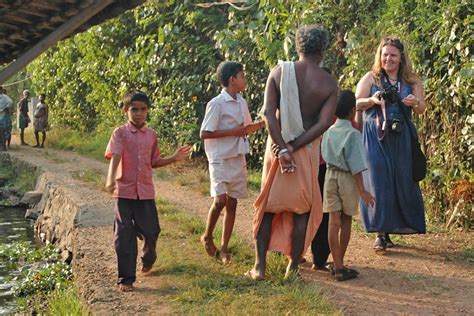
[(290, 112)]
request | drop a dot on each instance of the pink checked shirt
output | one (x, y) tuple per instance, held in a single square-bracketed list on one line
[(140, 152)]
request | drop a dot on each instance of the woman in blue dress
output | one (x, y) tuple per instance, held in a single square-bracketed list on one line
[(386, 98)]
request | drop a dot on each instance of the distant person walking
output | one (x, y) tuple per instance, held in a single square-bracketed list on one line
[(41, 121), (5, 119), (24, 118)]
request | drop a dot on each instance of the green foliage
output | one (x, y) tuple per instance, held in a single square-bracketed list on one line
[(171, 50), (20, 178), (24, 252), (44, 279), (46, 282)]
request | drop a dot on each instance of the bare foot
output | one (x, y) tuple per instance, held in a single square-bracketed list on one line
[(223, 256), (145, 271), (254, 275), (126, 287), (208, 244)]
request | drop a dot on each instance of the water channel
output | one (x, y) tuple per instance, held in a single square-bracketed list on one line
[(13, 227)]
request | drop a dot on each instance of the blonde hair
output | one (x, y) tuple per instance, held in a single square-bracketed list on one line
[(405, 70)]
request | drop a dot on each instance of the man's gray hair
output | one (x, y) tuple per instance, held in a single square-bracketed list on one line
[(311, 39)]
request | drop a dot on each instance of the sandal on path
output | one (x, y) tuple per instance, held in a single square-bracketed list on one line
[(126, 287), (251, 274), (324, 268), (388, 242), (209, 246), (345, 274), (330, 267), (380, 245)]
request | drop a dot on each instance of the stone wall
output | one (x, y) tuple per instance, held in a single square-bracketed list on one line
[(57, 216), (60, 205)]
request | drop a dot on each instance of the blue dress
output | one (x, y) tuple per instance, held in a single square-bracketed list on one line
[(399, 205)]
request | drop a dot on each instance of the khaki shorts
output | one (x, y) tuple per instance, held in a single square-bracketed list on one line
[(229, 176), (340, 192)]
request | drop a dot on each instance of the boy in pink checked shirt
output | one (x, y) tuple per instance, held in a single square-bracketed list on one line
[(133, 152)]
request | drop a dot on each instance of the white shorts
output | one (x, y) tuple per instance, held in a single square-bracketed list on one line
[(229, 176)]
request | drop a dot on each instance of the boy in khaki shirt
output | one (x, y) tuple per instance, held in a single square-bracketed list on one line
[(344, 153)]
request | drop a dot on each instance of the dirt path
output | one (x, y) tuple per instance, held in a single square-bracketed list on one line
[(427, 275)]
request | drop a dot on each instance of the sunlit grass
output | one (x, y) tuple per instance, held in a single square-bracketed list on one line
[(65, 302), (196, 284), (88, 144)]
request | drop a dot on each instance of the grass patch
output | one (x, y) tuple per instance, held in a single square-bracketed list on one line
[(65, 302), (358, 227), (88, 144), (254, 180), (468, 254), (92, 176), (22, 179), (192, 283)]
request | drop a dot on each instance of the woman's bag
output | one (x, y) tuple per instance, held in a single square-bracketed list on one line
[(418, 159)]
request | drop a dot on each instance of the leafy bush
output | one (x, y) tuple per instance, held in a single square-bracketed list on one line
[(43, 271), (171, 50)]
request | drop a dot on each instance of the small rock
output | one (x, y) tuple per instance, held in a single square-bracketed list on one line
[(31, 214), (66, 256), (32, 197)]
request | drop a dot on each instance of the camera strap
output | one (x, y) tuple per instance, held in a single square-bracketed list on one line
[(381, 128)]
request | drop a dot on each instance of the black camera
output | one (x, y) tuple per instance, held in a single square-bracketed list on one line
[(389, 94), (396, 125)]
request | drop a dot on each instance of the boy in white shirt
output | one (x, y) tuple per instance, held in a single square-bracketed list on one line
[(226, 123)]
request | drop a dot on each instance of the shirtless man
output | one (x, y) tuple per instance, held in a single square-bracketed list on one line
[(281, 198)]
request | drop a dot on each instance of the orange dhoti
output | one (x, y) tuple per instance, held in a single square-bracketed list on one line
[(285, 194)]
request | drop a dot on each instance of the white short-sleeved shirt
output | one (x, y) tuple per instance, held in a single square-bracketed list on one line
[(224, 112)]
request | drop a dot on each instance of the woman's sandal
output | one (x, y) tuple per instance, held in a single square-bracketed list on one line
[(380, 245), (388, 242), (345, 274)]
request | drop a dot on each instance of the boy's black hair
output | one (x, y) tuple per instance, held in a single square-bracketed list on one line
[(227, 69), (135, 95), (346, 101)]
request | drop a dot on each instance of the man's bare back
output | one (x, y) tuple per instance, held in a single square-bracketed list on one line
[(317, 92)]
